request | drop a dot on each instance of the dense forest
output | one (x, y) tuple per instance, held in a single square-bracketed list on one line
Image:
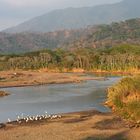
[(91, 37), (118, 58)]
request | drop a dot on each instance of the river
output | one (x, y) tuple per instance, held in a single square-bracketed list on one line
[(55, 98)]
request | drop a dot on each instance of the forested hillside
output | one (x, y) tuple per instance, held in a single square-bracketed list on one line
[(92, 36), (26, 42), (109, 35)]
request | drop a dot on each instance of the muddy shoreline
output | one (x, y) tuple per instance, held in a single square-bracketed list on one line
[(81, 125)]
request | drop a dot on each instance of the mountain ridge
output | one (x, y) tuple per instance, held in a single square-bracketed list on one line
[(74, 18)]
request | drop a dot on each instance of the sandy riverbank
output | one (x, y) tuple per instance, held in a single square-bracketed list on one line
[(29, 78), (86, 125)]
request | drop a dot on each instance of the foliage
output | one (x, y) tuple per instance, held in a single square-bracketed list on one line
[(125, 97), (119, 58)]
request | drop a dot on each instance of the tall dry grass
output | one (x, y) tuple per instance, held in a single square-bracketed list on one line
[(124, 98)]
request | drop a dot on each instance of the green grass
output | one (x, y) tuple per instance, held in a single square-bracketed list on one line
[(124, 97)]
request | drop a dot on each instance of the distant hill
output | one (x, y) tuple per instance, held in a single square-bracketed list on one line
[(74, 18), (26, 42), (127, 32), (93, 36)]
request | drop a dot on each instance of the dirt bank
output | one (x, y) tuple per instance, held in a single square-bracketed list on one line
[(29, 78), (87, 125)]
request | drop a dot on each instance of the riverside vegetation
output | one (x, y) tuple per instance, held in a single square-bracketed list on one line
[(124, 98), (125, 57)]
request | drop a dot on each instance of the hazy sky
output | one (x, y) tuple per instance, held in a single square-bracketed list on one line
[(13, 12)]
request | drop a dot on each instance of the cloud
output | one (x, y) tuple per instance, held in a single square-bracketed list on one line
[(31, 8), (24, 3), (34, 3), (8, 22)]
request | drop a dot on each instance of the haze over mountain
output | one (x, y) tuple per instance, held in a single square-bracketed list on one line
[(74, 18), (14, 12)]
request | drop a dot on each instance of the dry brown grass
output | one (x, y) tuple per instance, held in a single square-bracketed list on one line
[(124, 97)]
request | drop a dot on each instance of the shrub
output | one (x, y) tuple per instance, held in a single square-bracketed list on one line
[(125, 97)]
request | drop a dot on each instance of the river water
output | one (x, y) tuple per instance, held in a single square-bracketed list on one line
[(56, 98)]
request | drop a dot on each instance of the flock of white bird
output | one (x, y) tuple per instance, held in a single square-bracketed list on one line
[(22, 119)]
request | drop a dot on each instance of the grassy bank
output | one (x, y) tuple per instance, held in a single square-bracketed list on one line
[(124, 98)]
